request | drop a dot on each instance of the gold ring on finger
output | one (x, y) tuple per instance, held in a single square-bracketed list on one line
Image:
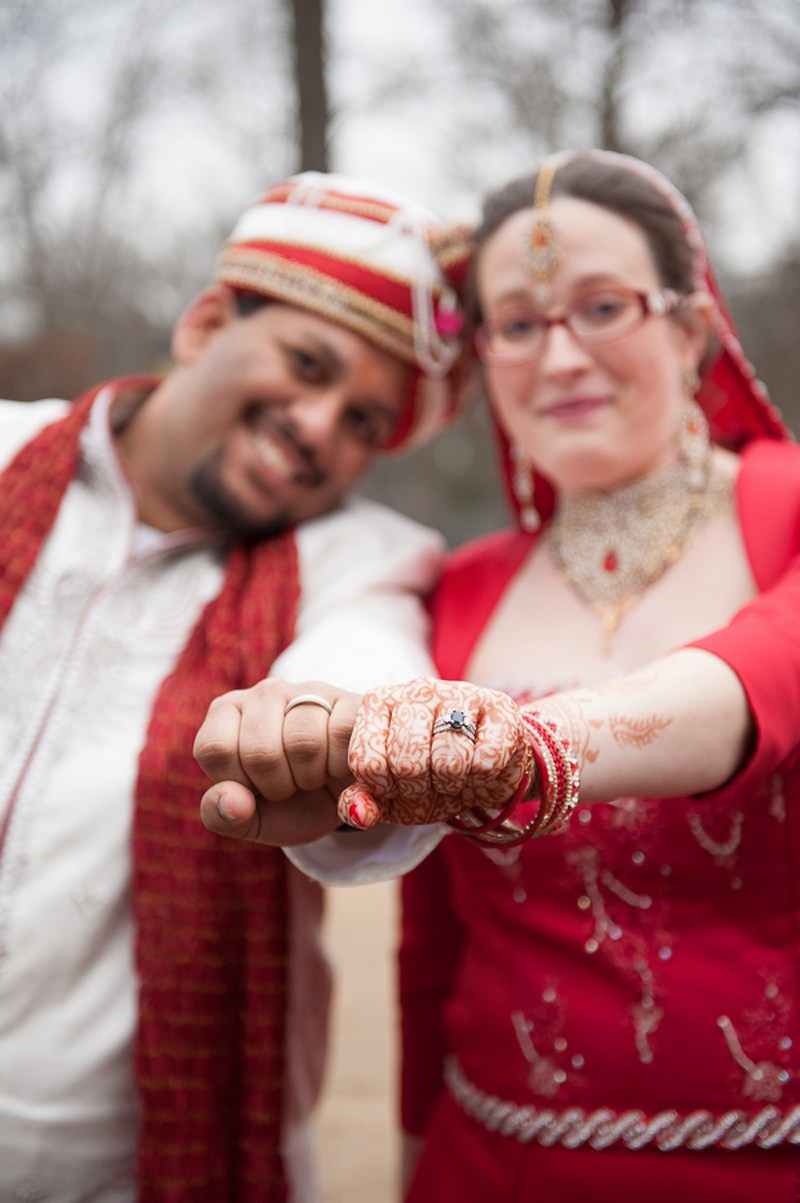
[(308, 699)]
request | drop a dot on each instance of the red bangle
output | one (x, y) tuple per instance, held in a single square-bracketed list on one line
[(550, 761), (462, 821), (558, 769)]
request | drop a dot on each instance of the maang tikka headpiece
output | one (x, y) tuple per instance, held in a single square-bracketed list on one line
[(542, 249)]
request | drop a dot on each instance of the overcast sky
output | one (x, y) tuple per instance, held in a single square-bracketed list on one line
[(402, 147), (401, 140)]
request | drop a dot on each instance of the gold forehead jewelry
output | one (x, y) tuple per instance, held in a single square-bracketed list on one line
[(542, 249)]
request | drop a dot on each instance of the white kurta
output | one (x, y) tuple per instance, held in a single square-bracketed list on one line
[(99, 624)]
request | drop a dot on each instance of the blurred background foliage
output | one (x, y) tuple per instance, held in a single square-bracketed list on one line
[(133, 131)]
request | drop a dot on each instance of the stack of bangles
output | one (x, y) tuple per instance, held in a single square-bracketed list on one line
[(550, 771)]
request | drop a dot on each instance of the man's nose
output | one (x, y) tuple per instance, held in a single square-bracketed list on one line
[(318, 416)]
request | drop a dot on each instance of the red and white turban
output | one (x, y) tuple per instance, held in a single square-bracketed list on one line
[(370, 260)]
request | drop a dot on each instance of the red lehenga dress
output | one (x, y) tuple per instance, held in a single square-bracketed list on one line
[(614, 1011)]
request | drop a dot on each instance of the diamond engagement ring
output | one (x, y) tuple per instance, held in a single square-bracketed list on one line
[(458, 721)]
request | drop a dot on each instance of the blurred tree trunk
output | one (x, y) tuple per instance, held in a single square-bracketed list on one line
[(684, 84), (611, 137), (313, 115)]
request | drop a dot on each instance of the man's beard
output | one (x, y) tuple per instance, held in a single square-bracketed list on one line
[(227, 515)]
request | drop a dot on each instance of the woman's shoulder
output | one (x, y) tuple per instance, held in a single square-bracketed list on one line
[(482, 567), (498, 548), (768, 502), (473, 581), (761, 454), (770, 467)]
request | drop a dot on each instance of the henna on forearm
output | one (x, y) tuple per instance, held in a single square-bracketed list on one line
[(601, 739), (637, 732), (680, 726), (622, 686), (582, 718)]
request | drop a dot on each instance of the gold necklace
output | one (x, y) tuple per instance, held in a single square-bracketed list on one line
[(612, 546)]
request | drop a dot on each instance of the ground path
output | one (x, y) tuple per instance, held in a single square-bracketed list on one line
[(357, 1115)]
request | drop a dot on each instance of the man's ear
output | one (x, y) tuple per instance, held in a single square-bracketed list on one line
[(206, 315)]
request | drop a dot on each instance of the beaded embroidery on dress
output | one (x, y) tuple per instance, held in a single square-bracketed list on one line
[(625, 890)]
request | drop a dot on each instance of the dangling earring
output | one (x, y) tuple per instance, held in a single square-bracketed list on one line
[(522, 487), (693, 440)]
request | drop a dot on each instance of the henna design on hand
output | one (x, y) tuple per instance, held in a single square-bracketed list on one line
[(407, 775)]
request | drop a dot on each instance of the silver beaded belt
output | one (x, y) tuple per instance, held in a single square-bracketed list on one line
[(602, 1128)]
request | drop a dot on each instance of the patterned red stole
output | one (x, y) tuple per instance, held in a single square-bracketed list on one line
[(210, 913)]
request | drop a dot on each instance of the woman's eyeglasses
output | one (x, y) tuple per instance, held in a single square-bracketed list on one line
[(595, 319)]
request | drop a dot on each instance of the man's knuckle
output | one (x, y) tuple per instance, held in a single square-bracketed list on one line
[(211, 751), (259, 760)]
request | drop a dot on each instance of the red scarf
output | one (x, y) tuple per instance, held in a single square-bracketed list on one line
[(210, 913)]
